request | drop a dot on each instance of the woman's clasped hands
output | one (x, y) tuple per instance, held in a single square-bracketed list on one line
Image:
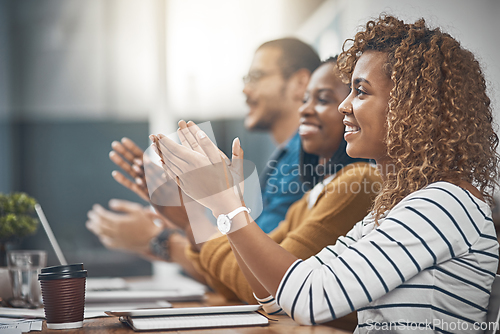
[(201, 170)]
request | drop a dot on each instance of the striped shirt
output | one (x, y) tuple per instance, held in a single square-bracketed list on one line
[(430, 263)]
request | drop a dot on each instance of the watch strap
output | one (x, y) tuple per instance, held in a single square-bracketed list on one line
[(159, 245), (233, 213)]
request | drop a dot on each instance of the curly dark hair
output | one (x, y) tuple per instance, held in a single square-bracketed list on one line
[(439, 121)]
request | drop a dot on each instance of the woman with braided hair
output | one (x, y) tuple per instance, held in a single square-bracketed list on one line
[(425, 257)]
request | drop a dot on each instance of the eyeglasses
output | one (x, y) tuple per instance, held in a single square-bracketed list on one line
[(256, 76)]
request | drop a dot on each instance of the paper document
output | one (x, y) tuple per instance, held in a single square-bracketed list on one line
[(97, 310), (106, 284), (21, 313), (143, 296), (8, 325)]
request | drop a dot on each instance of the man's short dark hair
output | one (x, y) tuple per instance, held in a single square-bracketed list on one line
[(295, 55)]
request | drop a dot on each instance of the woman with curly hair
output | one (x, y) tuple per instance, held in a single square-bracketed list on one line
[(425, 257)]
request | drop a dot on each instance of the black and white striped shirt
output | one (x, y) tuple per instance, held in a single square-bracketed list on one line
[(430, 263)]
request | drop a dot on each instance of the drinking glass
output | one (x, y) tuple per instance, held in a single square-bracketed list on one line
[(24, 267)]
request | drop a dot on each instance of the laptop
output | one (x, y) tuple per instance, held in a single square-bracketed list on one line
[(175, 287)]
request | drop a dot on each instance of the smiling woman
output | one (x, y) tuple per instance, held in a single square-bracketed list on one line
[(426, 256), (365, 108), (342, 191), (320, 122)]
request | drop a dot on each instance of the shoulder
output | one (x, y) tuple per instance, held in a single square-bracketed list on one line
[(444, 194), (293, 146), (358, 183), (294, 142), (358, 172), (443, 203)]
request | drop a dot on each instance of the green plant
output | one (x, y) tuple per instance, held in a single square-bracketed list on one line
[(16, 216)]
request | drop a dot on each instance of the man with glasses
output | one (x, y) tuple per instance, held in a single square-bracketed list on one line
[(274, 89)]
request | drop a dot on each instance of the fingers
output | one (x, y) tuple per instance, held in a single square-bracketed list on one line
[(105, 235), (123, 157), (105, 214), (187, 138), (184, 141), (158, 220), (156, 175), (123, 151), (128, 156), (121, 179), (156, 146), (237, 150), (93, 224), (98, 224), (211, 151), (237, 166), (108, 242), (165, 166), (169, 172), (132, 147), (93, 227), (177, 157), (124, 205), (138, 170), (118, 160)]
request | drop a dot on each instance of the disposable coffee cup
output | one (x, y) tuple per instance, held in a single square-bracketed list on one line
[(63, 293)]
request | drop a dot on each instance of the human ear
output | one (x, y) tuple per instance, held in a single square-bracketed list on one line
[(298, 83)]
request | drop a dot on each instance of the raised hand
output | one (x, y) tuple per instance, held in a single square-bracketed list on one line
[(199, 168), (187, 134), (130, 226), (163, 195), (129, 157)]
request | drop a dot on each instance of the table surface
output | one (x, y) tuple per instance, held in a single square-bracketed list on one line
[(281, 324)]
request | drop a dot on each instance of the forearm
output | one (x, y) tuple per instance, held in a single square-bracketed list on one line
[(175, 214), (255, 247), (178, 243), (175, 246), (254, 283)]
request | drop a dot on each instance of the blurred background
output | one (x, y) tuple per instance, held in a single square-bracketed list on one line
[(77, 74)]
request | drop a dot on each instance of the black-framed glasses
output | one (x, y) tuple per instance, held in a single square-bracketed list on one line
[(255, 76)]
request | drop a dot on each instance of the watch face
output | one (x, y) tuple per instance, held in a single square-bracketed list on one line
[(224, 224)]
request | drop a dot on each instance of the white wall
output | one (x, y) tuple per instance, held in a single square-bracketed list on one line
[(210, 45)]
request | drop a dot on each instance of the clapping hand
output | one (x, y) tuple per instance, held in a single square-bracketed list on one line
[(165, 196), (201, 170), (129, 226), (129, 157)]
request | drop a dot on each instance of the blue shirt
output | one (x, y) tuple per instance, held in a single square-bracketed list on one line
[(280, 184)]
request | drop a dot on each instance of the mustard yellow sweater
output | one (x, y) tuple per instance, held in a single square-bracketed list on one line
[(304, 232)]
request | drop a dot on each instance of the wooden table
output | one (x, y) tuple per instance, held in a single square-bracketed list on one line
[(283, 324)]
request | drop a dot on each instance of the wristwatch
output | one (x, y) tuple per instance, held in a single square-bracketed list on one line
[(159, 245), (224, 222)]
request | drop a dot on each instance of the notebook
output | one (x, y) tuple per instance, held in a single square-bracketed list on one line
[(192, 317)]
